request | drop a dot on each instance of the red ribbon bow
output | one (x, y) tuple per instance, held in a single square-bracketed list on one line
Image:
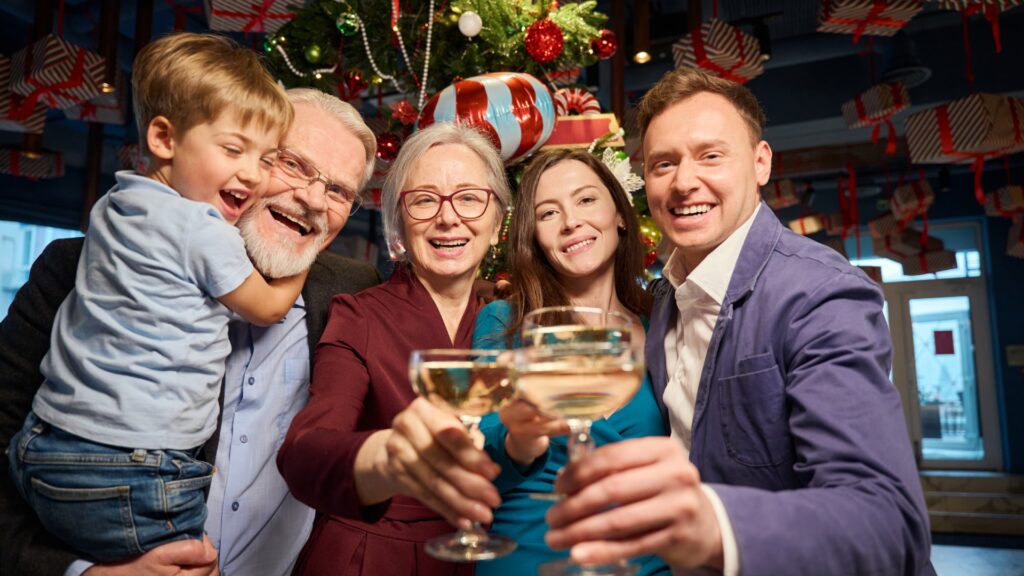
[(701, 55), (48, 90), (977, 166), (897, 101), (255, 23), (872, 19)]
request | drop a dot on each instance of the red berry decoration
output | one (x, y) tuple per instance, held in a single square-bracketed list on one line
[(605, 45), (651, 256), (387, 146), (544, 40)]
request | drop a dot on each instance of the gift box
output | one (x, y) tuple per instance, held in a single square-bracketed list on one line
[(964, 5), (883, 226), (56, 72), (833, 224), (12, 117), (966, 129), (837, 244), (250, 15), (871, 17), (720, 49), (34, 166), (928, 262), (1015, 244), (106, 108), (780, 194), (903, 244), (1006, 201), (876, 105), (911, 199), (807, 224), (873, 272)]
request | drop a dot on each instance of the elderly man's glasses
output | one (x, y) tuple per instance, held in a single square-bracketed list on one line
[(304, 174), (469, 203)]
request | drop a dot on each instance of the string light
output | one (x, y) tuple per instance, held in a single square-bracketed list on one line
[(404, 52), (369, 56), (316, 73)]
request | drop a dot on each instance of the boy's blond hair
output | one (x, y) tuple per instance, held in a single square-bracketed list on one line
[(192, 78)]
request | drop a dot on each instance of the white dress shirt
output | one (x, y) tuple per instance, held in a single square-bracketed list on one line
[(699, 297)]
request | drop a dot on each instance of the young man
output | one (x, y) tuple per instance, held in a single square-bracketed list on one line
[(254, 522), (770, 356)]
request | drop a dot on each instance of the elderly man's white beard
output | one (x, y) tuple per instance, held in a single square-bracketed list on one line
[(272, 259)]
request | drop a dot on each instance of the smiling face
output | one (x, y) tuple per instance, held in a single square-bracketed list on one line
[(576, 222), (702, 173), (286, 230), (447, 247), (224, 163)]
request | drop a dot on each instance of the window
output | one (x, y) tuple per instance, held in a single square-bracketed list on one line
[(20, 245)]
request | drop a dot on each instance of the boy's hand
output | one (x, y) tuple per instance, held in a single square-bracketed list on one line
[(181, 558)]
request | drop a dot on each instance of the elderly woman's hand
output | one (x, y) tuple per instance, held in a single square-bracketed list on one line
[(432, 458), (528, 430)]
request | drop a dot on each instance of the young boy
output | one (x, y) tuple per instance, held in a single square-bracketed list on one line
[(107, 457)]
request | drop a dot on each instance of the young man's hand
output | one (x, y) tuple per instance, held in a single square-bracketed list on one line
[(181, 558)]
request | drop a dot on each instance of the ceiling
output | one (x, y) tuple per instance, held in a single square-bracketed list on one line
[(808, 77)]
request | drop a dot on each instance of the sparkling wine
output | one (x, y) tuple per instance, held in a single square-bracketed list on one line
[(464, 388), (586, 390), (575, 334)]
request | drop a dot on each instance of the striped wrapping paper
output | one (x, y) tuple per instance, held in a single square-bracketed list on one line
[(34, 166), (875, 105), (1015, 243), (882, 226), (56, 72), (720, 49), (965, 129), (250, 15), (928, 262), (902, 244), (780, 194), (1006, 201), (962, 5), (871, 17), (833, 223), (105, 108), (10, 103), (911, 199)]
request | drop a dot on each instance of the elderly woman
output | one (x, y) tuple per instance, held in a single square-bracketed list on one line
[(365, 453), (574, 240)]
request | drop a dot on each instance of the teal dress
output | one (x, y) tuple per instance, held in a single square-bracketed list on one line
[(521, 517)]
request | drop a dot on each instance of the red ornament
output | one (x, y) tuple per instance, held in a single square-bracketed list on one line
[(651, 256), (404, 112), (388, 144), (605, 45), (544, 40)]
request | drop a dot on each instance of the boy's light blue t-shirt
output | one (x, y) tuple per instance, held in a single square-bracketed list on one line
[(138, 347)]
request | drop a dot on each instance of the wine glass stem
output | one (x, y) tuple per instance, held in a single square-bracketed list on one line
[(581, 442)]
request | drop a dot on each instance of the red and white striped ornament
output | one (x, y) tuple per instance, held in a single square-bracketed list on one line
[(576, 100), (250, 15), (56, 72), (10, 103)]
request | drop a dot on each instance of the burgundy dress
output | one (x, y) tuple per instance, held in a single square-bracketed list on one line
[(360, 383)]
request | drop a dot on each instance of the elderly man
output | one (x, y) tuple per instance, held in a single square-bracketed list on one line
[(770, 357), (254, 523)]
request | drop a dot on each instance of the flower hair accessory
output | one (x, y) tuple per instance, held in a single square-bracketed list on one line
[(618, 163)]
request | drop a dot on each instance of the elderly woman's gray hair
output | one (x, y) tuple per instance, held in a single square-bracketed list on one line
[(412, 150)]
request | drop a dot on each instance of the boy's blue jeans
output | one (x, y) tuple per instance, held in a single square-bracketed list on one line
[(107, 503)]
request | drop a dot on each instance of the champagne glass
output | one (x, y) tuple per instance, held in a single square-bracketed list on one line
[(468, 384), (579, 364)]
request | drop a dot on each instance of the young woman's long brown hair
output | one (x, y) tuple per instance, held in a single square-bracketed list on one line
[(535, 283)]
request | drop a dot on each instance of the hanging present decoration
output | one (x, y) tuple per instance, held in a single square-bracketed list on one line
[(514, 109), (806, 224), (970, 129), (928, 262), (565, 76), (1006, 201), (834, 224), (905, 243), (56, 72), (875, 107), (910, 200), (1015, 243), (34, 166), (837, 244), (990, 10), (871, 17), (722, 50), (872, 272), (780, 194), (250, 15), (106, 108), (10, 103), (130, 158)]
